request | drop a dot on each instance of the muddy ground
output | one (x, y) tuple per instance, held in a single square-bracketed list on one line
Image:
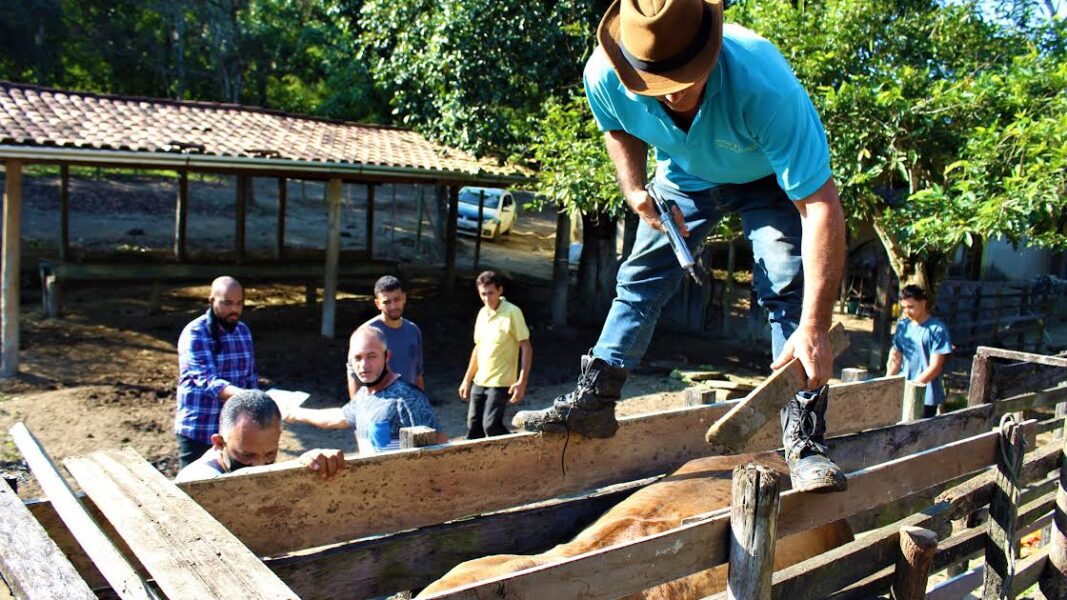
[(104, 375)]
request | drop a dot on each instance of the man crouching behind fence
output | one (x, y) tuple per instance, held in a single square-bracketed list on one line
[(250, 426)]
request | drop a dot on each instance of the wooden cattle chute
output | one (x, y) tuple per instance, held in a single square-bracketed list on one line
[(399, 521)]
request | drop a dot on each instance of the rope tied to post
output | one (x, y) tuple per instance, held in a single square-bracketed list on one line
[(1012, 458)]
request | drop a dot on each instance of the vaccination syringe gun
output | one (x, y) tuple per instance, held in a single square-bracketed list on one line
[(665, 210)]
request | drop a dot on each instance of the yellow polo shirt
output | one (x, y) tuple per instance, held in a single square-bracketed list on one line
[(497, 335)]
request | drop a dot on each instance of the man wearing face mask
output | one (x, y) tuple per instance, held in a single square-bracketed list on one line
[(383, 404), (249, 428), (215, 362)]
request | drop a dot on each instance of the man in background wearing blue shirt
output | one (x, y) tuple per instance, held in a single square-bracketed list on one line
[(733, 131), (215, 361), (922, 344), (401, 335)]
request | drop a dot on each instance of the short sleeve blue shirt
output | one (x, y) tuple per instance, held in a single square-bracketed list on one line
[(405, 347), (918, 342), (401, 404), (755, 120)]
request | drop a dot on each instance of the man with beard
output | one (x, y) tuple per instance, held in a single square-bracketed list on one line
[(401, 335), (383, 404), (249, 429), (215, 361)]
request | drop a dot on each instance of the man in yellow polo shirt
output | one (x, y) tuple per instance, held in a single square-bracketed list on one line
[(493, 376)]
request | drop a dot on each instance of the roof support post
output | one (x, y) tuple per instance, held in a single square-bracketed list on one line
[(283, 193), (244, 182), (450, 240), (9, 269), (64, 212), (370, 220), (181, 216), (333, 252)]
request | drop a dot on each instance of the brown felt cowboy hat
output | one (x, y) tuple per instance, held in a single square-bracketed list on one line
[(659, 47)]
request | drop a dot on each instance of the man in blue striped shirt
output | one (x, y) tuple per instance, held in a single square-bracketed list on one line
[(215, 361)]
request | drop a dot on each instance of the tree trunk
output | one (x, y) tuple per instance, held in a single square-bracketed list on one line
[(924, 271), (597, 268)]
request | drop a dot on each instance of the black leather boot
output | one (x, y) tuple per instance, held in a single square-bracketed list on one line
[(588, 410), (803, 428)]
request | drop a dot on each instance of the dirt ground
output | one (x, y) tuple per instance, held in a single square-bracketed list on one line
[(104, 375)]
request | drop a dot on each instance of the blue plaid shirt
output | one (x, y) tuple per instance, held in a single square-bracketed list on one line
[(208, 361)]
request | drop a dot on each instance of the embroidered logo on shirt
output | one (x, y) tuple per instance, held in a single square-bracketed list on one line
[(735, 147)]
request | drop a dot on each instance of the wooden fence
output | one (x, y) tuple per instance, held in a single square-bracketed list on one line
[(398, 521)]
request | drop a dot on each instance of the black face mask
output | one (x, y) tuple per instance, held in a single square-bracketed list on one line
[(385, 371), (232, 464)]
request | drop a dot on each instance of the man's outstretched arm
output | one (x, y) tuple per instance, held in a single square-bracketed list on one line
[(823, 255)]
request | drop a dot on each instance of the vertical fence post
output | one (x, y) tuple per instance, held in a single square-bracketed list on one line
[(980, 390), (417, 437), (1000, 539), (1053, 580), (753, 523), (849, 375), (914, 399), (917, 549)]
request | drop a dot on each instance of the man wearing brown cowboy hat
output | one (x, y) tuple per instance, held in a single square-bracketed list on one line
[(733, 130)]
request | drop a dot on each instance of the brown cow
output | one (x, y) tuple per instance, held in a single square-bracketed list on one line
[(698, 487)]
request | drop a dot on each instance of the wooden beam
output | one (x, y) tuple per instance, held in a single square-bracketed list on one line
[(442, 483), (181, 216), (417, 437), (244, 184), (627, 568), (914, 399), (751, 414), (1030, 357), (917, 548), (753, 520), (416, 558), (10, 263), (980, 390), (279, 239), (1054, 577), (112, 564), (370, 219), (189, 554), (30, 562), (333, 252), (64, 211), (450, 241)]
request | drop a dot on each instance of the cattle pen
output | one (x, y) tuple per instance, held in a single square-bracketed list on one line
[(918, 490)]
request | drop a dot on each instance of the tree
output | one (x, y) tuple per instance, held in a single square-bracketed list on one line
[(938, 120), (471, 73)]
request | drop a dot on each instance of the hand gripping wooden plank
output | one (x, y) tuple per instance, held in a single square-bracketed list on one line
[(733, 429)]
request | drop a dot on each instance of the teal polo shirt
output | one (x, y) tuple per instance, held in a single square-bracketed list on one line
[(755, 120)]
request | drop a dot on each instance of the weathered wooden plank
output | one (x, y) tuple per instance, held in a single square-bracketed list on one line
[(198, 272), (187, 552), (1030, 357), (1036, 465), (980, 390), (1036, 399), (1054, 577), (630, 567), (112, 564), (917, 548), (414, 559), (10, 262), (30, 562), (914, 399), (401, 490), (752, 413), (417, 437), (753, 517), (1000, 536), (181, 217)]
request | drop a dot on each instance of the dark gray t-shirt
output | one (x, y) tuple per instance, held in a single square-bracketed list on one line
[(399, 405), (405, 347)]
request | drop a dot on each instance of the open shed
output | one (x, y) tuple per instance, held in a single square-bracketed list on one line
[(48, 126)]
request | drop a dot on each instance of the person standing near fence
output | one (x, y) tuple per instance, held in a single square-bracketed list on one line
[(921, 345), (403, 337), (215, 362), (493, 378)]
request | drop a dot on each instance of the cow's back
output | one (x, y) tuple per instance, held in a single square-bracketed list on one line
[(698, 487)]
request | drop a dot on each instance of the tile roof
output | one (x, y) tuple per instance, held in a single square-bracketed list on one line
[(32, 116)]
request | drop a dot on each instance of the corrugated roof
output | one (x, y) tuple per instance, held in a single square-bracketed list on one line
[(38, 117)]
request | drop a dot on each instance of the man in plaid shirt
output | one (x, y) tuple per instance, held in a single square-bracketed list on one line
[(215, 361)]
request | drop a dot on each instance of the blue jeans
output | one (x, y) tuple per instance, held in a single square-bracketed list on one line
[(650, 276)]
